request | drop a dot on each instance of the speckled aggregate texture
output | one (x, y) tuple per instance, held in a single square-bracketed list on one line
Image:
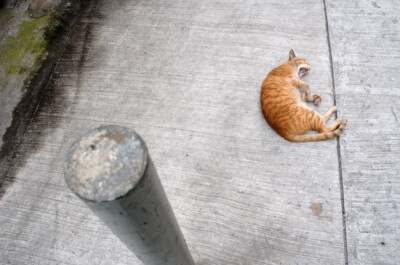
[(365, 38), (110, 170), (186, 76), (105, 163)]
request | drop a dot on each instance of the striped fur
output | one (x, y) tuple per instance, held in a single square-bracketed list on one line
[(284, 110)]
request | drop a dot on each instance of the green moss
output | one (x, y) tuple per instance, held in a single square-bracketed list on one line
[(23, 53)]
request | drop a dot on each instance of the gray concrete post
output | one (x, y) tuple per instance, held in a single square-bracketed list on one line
[(110, 169)]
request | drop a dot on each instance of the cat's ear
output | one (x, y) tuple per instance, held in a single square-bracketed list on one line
[(291, 54)]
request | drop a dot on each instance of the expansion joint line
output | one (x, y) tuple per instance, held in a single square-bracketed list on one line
[(346, 255)]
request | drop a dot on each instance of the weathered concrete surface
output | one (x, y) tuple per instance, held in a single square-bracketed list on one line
[(11, 86), (23, 48), (186, 75), (365, 38)]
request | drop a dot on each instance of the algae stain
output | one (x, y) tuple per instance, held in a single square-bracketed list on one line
[(22, 54)]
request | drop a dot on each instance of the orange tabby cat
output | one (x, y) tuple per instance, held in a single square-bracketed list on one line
[(284, 110)]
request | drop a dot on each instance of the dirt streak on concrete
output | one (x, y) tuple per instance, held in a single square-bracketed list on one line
[(41, 94)]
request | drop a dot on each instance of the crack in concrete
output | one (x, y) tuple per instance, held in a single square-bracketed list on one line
[(346, 253)]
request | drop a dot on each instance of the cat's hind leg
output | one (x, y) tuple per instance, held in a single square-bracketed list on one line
[(319, 121), (322, 127), (334, 125), (326, 117)]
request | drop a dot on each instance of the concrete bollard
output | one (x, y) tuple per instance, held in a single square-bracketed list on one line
[(110, 169)]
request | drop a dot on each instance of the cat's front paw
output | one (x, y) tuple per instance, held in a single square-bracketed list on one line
[(316, 99)]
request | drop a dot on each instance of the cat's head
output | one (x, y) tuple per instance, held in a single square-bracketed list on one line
[(300, 64)]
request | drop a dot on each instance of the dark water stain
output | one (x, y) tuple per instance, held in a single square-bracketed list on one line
[(11, 3), (43, 99)]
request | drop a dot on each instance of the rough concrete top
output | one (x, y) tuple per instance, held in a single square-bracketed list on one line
[(105, 163)]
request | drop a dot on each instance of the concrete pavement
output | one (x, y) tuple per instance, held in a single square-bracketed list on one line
[(366, 62), (186, 76)]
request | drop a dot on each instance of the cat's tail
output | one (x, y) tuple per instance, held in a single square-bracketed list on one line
[(318, 136)]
